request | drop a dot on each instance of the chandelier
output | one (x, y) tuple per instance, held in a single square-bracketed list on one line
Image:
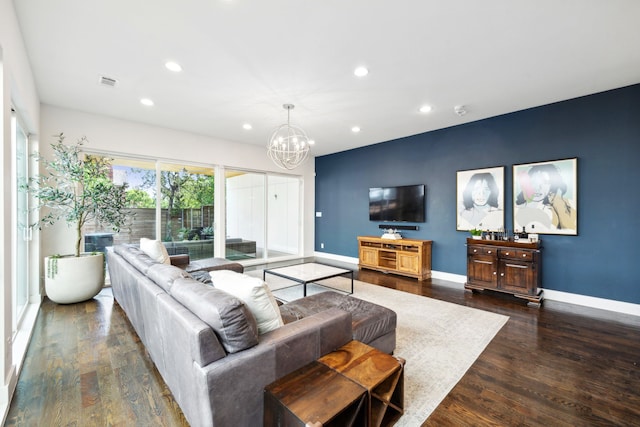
[(288, 146)]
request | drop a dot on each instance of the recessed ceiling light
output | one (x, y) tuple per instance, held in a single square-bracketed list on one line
[(311, 142), (173, 66), (247, 126), (146, 101), (425, 109), (361, 71), (355, 129)]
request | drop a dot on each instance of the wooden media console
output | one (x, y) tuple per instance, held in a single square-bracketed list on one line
[(408, 257)]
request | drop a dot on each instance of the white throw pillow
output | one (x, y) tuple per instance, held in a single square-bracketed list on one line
[(254, 293), (155, 249)]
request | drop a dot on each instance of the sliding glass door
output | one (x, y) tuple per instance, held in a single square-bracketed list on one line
[(187, 196), (263, 215), (174, 202), (245, 214), (139, 175)]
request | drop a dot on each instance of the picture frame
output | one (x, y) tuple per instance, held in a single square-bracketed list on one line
[(545, 197), (480, 199)]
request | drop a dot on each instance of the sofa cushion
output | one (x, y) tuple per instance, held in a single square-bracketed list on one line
[(135, 257), (227, 315), (369, 321), (255, 294), (155, 249), (164, 275)]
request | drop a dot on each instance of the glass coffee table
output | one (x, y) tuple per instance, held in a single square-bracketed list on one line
[(310, 272)]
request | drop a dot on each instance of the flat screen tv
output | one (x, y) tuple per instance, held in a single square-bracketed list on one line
[(404, 203)]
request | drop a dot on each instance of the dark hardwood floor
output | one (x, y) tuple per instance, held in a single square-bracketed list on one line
[(559, 365)]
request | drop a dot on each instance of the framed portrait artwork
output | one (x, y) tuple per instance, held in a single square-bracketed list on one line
[(480, 199), (545, 197)]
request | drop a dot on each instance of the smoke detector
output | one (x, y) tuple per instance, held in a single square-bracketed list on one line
[(107, 81), (460, 110)]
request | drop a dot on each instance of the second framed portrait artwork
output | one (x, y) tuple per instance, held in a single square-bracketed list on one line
[(544, 198), (480, 199)]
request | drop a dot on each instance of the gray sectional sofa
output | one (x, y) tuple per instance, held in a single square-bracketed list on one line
[(205, 344)]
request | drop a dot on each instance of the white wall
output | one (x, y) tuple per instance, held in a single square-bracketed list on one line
[(124, 137)]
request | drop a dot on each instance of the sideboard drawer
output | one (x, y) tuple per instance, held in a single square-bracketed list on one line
[(481, 250), (516, 254)]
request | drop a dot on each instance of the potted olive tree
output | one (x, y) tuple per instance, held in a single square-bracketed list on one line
[(77, 189)]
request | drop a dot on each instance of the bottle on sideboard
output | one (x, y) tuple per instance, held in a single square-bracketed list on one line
[(523, 235)]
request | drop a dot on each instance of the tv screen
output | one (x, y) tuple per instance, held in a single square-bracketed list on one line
[(404, 203)]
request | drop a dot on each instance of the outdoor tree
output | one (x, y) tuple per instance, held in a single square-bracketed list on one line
[(179, 190), (198, 191), (137, 198)]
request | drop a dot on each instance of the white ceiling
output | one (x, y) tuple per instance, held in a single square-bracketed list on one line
[(243, 59)]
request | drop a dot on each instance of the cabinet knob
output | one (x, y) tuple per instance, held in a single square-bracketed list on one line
[(494, 273), (506, 253), (524, 255), (475, 250), (488, 252), (502, 274)]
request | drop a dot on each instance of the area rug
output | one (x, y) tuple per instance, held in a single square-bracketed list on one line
[(439, 340)]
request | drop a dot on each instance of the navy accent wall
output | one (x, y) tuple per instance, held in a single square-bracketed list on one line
[(601, 130)]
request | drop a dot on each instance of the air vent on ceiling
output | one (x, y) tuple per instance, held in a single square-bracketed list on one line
[(107, 81)]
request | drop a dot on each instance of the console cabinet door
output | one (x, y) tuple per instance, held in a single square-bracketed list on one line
[(482, 270), (408, 262), (516, 277), (369, 256)]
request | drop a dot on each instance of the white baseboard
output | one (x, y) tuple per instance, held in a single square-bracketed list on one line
[(549, 294), (335, 257), (457, 280), (593, 302)]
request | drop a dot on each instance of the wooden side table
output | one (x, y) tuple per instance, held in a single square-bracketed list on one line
[(315, 394), (380, 373)]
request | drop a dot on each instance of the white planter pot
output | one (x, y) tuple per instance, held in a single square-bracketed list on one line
[(69, 279)]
